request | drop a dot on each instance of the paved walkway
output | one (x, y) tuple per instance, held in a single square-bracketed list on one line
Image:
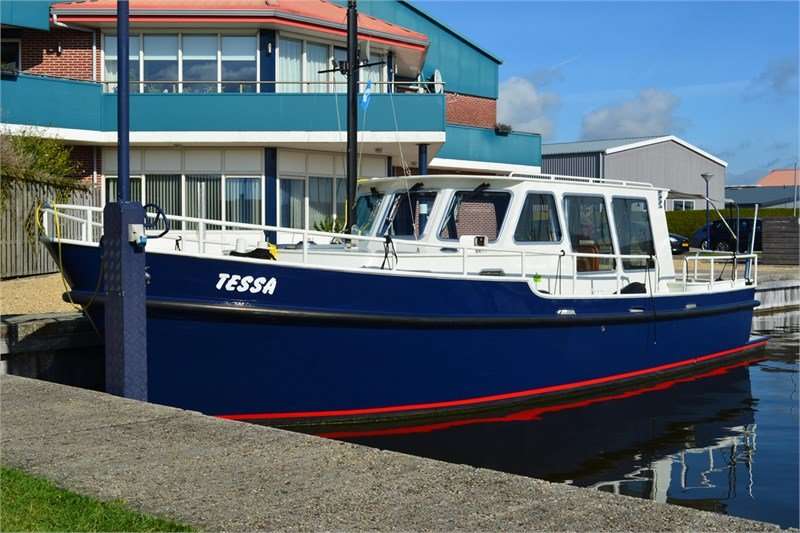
[(223, 475)]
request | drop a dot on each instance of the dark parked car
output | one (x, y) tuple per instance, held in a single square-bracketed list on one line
[(678, 243), (721, 238)]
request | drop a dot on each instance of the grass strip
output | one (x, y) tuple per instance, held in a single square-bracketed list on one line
[(29, 503)]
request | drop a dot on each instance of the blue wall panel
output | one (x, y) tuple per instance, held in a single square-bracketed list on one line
[(26, 13), (53, 102), (482, 144), (465, 67)]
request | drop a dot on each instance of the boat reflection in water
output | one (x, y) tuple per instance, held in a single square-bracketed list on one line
[(692, 442)]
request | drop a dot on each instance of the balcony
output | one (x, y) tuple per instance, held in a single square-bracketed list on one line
[(81, 111)]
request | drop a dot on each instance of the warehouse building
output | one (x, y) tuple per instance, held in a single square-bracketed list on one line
[(665, 161)]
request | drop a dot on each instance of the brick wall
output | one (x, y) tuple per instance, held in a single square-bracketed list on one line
[(471, 110), (83, 156), (41, 55)]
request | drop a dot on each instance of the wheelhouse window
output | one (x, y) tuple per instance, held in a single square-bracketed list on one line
[(367, 207), (199, 63), (538, 221), (477, 212), (110, 63), (161, 63), (408, 214), (239, 63), (589, 231), (632, 222)]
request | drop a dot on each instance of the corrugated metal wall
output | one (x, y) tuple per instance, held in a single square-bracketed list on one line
[(21, 254), (670, 165), (587, 165)]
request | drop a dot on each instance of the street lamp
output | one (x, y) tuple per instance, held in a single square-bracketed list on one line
[(707, 178)]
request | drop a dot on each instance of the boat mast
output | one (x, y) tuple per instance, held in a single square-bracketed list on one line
[(352, 111)]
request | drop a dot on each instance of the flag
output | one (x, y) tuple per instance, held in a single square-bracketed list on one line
[(365, 96)]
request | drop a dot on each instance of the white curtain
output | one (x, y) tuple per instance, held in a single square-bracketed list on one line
[(290, 65), (243, 200), (374, 74), (317, 60), (340, 54), (292, 200)]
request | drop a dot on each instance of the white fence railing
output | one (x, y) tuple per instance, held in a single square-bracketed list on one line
[(89, 224)]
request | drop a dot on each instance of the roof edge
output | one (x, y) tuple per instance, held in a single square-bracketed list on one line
[(665, 138), (452, 31)]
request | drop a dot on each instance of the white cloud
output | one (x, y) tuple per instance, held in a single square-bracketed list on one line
[(652, 112), (526, 107)]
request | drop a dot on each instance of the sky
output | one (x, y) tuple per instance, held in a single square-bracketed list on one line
[(721, 75)]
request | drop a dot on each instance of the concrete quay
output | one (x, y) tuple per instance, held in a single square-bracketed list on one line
[(230, 476)]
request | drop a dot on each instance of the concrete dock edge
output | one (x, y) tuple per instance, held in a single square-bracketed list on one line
[(223, 475)]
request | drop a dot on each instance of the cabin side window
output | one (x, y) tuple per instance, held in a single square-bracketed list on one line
[(589, 231), (367, 207), (408, 214), (632, 222), (475, 213), (538, 221)]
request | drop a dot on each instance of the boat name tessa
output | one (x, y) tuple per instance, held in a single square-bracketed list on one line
[(235, 282)]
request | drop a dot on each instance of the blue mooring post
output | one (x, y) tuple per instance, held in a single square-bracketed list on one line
[(123, 260)]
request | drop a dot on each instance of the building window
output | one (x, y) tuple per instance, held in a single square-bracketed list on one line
[(203, 198), (589, 231), (538, 221), (110, 63), (243, 199), (160, 63), (290, 65), (292, 200), (239, 63), (135, 189), (11, 55), (682, 205), (632, 222), (476, 213), (300, 63), (206, 61), (199, 63)]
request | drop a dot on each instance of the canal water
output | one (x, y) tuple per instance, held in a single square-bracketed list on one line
[(725, 442)]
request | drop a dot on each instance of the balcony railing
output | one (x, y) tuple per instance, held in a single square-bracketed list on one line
[(49, 102), (252, 86)]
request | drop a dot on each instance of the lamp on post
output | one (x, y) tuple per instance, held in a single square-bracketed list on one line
[(707, 178)]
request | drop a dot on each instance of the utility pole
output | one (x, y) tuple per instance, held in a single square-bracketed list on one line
[(123, 254), (352, 111)]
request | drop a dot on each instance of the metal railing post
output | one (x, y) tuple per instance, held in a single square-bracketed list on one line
[(305, 229), (685, 273), (574, 274), (522, 263), (711, 276), (464, 260)]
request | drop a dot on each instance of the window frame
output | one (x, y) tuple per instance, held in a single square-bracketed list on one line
[(558, 220), (140, 33), (381, 53), (500, 230), (621, 262), (616, 267), (683, 204), (305, 179)]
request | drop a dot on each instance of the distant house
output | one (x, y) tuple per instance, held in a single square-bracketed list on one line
[(776, 189), (665, 161), (779, 177)]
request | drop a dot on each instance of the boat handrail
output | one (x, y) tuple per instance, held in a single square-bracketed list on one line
[(581, 179), (466, 250), (712, 260)]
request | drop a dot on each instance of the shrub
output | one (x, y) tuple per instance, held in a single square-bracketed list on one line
[(687, 222)]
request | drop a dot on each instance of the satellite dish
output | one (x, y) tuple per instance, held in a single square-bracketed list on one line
[(438, 84)]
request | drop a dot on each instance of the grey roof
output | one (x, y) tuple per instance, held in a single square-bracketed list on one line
[(763, 196), (600, 145)]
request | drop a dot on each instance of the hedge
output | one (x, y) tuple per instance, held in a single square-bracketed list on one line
[(687, 222)]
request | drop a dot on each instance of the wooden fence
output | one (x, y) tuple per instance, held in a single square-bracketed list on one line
[(781, 241), (21, 253)]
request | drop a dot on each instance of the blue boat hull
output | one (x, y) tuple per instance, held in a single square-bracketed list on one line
[(309, 343)]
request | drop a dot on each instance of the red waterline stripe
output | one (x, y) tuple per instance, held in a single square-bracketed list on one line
[(495, 397)]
